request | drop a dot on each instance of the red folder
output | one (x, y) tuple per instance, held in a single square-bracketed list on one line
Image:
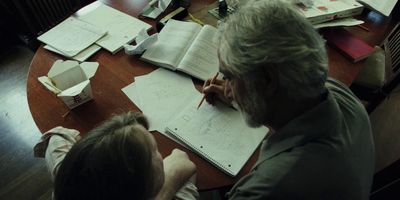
[(348, 44)]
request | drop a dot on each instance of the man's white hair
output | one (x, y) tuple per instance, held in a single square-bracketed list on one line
[(271, 37)]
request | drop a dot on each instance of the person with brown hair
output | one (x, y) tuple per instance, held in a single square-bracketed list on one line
[(117, 160)]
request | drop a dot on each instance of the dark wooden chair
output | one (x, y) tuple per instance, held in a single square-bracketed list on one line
[(380, 76), (30, 18)]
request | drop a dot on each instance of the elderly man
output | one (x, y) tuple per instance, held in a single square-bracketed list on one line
[(275, 69)]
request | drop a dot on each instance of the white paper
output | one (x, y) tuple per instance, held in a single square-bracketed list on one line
[(131, 91), (383, 6), (326, 10), (143, 41), (151, 11), (142, 36), (81, 56), (72, 36), (339, 22), (122, 28), (163, 4), (218, 133), (162, 94)]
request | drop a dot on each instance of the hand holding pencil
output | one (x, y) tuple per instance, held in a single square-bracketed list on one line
[(214, 89)]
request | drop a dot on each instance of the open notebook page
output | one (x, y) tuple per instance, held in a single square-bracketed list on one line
[(173, 42), (218, 133), (201, 59)]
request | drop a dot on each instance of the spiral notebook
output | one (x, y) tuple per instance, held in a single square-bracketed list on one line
[(217, 133)]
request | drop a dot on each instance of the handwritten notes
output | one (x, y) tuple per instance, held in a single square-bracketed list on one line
[(160, 95), (217, 133)]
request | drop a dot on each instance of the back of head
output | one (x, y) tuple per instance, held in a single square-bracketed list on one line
[(269, 40), (114, 161)]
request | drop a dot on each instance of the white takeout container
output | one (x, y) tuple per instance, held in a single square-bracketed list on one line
[(70, 81)]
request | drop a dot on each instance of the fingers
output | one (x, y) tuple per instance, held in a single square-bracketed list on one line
[(219, 89), (178, 166), (216, 82), (179, 152), (212, 91)]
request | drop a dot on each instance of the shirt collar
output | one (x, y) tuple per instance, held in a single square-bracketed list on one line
[(324, 118)]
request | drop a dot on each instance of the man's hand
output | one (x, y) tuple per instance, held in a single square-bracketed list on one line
[(178, 170), (218, 89)]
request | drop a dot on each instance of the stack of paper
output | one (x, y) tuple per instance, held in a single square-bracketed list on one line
[(325, 10), (160, 94), (217, 133), (80, 36), (71, 37), (121, 28)]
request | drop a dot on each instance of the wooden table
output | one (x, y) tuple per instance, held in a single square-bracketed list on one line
[(117, 71)]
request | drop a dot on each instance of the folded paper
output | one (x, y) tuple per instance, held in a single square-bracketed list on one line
[(143, 42)]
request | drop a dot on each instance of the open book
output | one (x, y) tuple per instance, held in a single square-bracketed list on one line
[(187, 47), (217, 133)]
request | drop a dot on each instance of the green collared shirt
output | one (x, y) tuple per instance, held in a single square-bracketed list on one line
[(326, 153)]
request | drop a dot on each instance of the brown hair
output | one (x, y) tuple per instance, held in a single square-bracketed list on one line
[(114, 161)]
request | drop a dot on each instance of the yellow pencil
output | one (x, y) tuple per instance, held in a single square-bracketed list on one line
[(212, 81)]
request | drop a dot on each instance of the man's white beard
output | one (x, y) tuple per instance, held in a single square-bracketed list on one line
[(247, 118)]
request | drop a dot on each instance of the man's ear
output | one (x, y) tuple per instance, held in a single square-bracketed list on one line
[(271, 82)]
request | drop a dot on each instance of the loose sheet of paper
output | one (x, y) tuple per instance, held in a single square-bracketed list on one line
[(162, 94)]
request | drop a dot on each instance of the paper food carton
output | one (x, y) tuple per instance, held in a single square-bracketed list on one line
[(70, 81)]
